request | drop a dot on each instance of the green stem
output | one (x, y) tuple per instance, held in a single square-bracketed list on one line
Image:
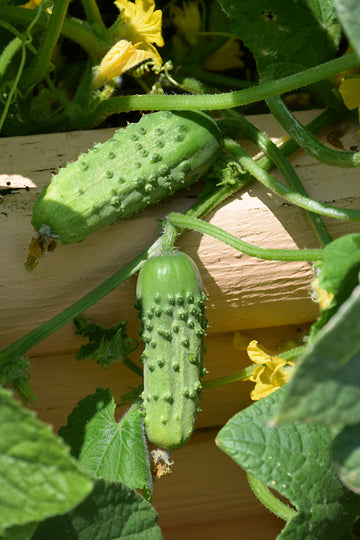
[(168, 238), (220, 101), (215, 79), (286, 193), (14, 86), (308, 141), (93, 14), (42, 61), (205, 206), (293, 354), (237, 376), (185, 222), (268, 499), (7, 55), (75, 29), (264, 142), (133, 367)]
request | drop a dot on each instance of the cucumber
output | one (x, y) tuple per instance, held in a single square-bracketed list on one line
[(171, 304), (142, 164)]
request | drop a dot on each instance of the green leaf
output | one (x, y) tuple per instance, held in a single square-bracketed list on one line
[(14, 374), (106, 345), (348, 12), (38, 476), (20, 532), (298, 34), (112, 511), (346, 450), (338, 274), (326, 384), (106, 448), (295, 460)]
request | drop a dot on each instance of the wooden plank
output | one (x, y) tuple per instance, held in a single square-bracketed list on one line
[(243, 292), (207, 497), (59, 381)]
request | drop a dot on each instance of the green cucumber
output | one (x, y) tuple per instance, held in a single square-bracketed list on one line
[(171, 303), (142, 164)]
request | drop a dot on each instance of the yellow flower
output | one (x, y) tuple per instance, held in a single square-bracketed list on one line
[(121, 57), (227, 57), (323, 297), (32, 4), (272, 371), (139, 22), (350, 92), (186, 19), (138, 27)]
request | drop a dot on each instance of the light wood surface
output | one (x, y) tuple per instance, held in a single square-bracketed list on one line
[(207, 496)]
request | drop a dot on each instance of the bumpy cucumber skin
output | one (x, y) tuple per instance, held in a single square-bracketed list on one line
[(142, 164), (171, 303)]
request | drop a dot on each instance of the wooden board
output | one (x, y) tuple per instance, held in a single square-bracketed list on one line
[(207, 496)]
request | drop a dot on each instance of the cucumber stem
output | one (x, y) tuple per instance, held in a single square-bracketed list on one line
[(286, 193), (274, 153), (185, 222), (314, 147)]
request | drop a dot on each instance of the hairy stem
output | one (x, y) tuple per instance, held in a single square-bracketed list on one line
[(41, 64), (185, 222), (273, 152), (286, 193), (308, 141), (226, 100)]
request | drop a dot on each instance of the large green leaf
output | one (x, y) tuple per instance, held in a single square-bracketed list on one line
[(295, 460), (107, 448), (348, 12), (112, 511), (299, 34), (326, 384), (38, 477), (338, 274)]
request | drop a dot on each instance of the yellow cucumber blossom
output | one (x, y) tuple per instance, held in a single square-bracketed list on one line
[(226, 57), (350, 92), (321, 296), (271, 373), (187, 18), (32, 4), (138, 27), (120, 58)]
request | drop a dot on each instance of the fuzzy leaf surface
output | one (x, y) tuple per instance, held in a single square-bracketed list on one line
[(326, 384), (296, 460), (38, 476), (338, 274), (113, 511), (107, 448), (303, 33)]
